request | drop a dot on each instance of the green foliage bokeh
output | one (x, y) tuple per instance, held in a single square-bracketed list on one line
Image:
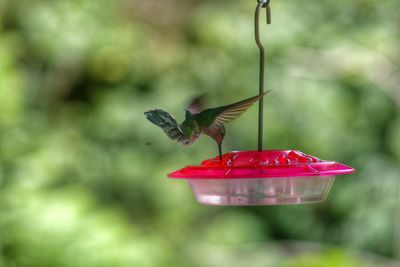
[(82, 172)]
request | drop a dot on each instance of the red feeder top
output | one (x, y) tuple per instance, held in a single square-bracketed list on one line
[(262, 164)]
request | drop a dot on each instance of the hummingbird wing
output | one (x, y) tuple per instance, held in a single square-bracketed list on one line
[(196, 105), (166, 122), (222, 115)]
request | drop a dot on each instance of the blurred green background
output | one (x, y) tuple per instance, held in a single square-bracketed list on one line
[(82, 172)]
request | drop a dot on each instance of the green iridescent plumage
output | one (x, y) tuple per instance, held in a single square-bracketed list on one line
[(198, 121)]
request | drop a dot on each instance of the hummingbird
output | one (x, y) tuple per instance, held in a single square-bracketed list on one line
[(200, 121)]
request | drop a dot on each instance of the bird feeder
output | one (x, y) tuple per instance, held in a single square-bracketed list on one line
[(269, 177), (262, 177)]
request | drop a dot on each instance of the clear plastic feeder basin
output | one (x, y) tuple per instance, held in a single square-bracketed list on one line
[(270, 177)]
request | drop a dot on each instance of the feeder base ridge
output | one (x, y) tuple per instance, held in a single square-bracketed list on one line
[(249, 201)]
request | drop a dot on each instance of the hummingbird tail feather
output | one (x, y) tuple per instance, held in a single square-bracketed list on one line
[(165, 121)]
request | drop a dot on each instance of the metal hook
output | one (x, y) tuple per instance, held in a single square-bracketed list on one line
[(265, 4), (261, 4)]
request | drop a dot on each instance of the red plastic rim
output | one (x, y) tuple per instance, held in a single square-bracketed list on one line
[(262, 164)]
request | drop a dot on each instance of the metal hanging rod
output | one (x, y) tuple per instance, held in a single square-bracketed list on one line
[(261, 4)]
